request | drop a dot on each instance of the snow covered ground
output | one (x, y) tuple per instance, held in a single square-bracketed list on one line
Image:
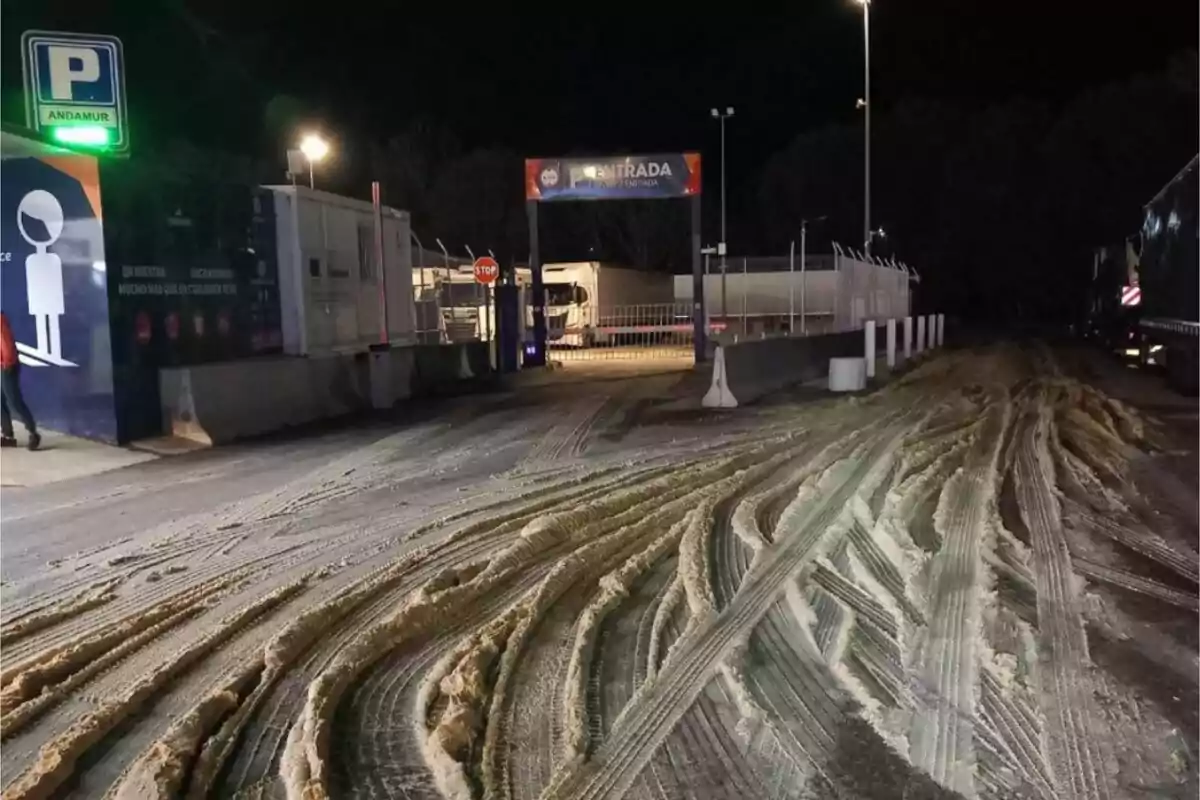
[(978, 581)]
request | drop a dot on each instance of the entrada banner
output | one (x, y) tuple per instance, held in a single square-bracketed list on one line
[(613, 177)]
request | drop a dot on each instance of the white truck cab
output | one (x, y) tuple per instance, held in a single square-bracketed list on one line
[(590, 302)]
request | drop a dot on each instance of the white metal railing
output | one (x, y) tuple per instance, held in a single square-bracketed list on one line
[(632, 331)]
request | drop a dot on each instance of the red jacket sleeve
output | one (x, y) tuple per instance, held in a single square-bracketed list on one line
[(8, 347)]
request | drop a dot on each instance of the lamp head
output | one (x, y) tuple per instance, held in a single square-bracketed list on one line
[(314, 147)]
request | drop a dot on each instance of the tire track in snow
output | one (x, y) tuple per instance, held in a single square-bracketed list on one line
[(942, 738), (1135, 537), (57, 759), (567, 437), (658, 707), (1135, 583), (1071, 720), (257, 764)]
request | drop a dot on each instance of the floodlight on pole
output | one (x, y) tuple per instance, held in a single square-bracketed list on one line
[(315, 149), (864, 103), (717, 115)]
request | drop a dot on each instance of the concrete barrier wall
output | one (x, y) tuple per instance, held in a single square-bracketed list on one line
[(758, 367), (439, 369), (221, 402), (390, 376)]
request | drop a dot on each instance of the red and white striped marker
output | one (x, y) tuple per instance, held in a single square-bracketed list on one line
[(1131, 295)]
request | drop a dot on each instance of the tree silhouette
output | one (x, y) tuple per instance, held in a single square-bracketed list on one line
[(1000, 207)]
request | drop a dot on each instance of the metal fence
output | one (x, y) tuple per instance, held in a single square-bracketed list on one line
[(447, 303), (754, 297), (870, 288), (773, 296), (661, 330), (769, 301)]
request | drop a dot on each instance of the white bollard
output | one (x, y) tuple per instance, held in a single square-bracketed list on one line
[(929, 330), (941, 329), (847, 374), (907, 338), (869, 331), (891, 344), (920, 335)]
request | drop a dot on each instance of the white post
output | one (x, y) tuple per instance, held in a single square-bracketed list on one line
[(941, 329), (907, 338), (929, 331), (920, 335), (891, 344), (837, 286), (745, 281), (803, 280), (792, 287), (866, 8), (724, 241), (869, 331)]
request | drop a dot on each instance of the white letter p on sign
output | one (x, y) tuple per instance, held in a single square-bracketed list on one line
[(71, 65)]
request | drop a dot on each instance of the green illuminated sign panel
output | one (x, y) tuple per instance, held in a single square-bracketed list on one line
[(85, 135)]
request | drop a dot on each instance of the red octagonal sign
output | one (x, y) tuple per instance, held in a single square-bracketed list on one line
[(486, 270)]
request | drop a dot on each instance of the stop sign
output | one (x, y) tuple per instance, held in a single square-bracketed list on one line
[(486, 270)]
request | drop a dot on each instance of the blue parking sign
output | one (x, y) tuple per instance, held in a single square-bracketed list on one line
[(75, 89)]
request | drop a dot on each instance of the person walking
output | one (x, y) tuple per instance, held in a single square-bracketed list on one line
[(10, 391)]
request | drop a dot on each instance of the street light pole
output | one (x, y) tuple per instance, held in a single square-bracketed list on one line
[(707, 252), (724, 296), (724, 241), (722, 247), (803, 278), (792, 282), (803, 272), (867, 122)]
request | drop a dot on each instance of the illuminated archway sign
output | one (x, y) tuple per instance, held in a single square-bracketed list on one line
[(659, 176)]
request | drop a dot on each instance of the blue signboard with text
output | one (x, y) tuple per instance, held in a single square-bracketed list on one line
[(75, 89), (613, 177)]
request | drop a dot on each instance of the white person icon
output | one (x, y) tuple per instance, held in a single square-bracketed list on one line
[(43, 270)]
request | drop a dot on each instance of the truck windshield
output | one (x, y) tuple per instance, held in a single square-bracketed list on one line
[(453, 295), (561, 294)]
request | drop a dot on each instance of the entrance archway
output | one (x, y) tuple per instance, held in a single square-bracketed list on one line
[(658, 176)]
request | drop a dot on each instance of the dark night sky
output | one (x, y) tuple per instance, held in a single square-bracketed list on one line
[(612, 80)]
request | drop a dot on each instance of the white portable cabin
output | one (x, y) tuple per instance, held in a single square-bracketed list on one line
[(329, 283)]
